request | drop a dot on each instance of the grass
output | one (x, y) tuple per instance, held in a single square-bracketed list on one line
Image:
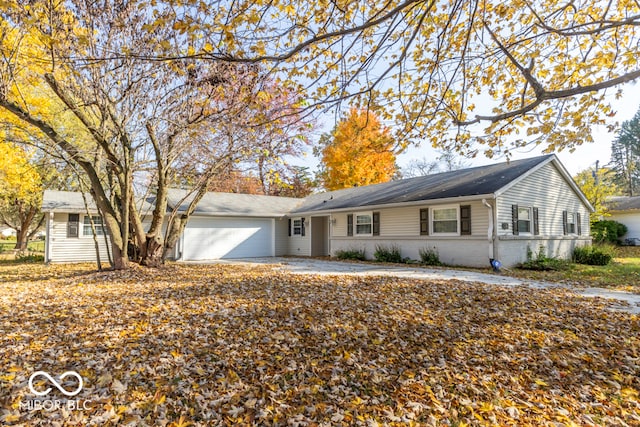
[(34, 246), (219, 345), (35, 250), (622, 274)]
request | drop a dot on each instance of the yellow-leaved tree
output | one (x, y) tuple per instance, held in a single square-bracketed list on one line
[(20, 193), (598, 185), (482, 76), (359, 151), (115, 119)]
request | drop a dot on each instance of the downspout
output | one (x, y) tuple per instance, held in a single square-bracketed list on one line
[(490, 232), (48, 237)]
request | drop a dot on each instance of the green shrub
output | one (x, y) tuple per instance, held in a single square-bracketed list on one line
[(356, 254), (593, 255), (541, 262), (430, 256), (29, 257), (388, 254), (607, 231)]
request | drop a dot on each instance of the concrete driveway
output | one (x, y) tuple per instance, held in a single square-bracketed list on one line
[(629, 302)]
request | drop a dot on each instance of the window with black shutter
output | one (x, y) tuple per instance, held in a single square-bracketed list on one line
[(424, 222), (376, 223), (536, 222), (579, 224), (350, 225), (465, 220), (73, 225)]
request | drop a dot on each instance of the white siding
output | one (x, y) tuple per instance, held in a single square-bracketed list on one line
[(400, 226), (399, 222), (339, 224), (631, 220), (72, 249), (547, 190)]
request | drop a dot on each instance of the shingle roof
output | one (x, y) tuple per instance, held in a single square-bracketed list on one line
[(465, 182), (624, 203), (66, 201), (483, 180), (72, 201), (235, 204)]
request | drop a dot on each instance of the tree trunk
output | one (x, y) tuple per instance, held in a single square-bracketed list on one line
[(173, 234), (153, 254), (21, 239)]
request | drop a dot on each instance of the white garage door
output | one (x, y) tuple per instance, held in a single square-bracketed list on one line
[(215, 238)]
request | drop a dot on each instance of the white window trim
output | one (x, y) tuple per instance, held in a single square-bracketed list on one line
[(530, 232), (432, 211), (572, 218), (355, 223), (293, 227), (82, 224)]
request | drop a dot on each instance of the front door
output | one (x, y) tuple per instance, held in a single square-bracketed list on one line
[(320, 236)]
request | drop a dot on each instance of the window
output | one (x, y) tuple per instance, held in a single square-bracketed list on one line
[(445, 220), (364, 224), (297, 227), (73, 225), (97, 221), (524, 220), (571, 223)]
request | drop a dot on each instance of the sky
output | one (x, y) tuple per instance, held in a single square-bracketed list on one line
[(581, 158)]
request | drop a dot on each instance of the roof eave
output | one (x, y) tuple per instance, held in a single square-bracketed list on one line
[(395, 205), (239, 214)]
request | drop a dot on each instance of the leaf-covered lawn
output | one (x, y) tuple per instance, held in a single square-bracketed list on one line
[(622, 274), (224, 345)]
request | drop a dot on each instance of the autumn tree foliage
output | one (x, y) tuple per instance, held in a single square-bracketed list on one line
[(597, 184), (625, 156), (483, 76), (359, 151), (122, 121), (20, 193)]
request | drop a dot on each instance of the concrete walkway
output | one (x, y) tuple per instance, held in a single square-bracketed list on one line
[(326, 267)]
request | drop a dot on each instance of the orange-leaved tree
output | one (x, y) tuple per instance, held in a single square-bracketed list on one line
[(359, 151), (20, 193)]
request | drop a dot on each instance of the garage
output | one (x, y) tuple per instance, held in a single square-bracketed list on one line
[(222, 237)]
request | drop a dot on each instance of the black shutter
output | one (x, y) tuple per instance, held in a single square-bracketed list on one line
[(424, 222), (536, 223), (465, 220), (350, 225), (514, 219), (579, 224), (302, 227), (565, 222), (376, 223), (73, 225), (289, 227)]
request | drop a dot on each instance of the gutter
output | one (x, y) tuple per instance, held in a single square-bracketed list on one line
[(426, 202), (490, 232)]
